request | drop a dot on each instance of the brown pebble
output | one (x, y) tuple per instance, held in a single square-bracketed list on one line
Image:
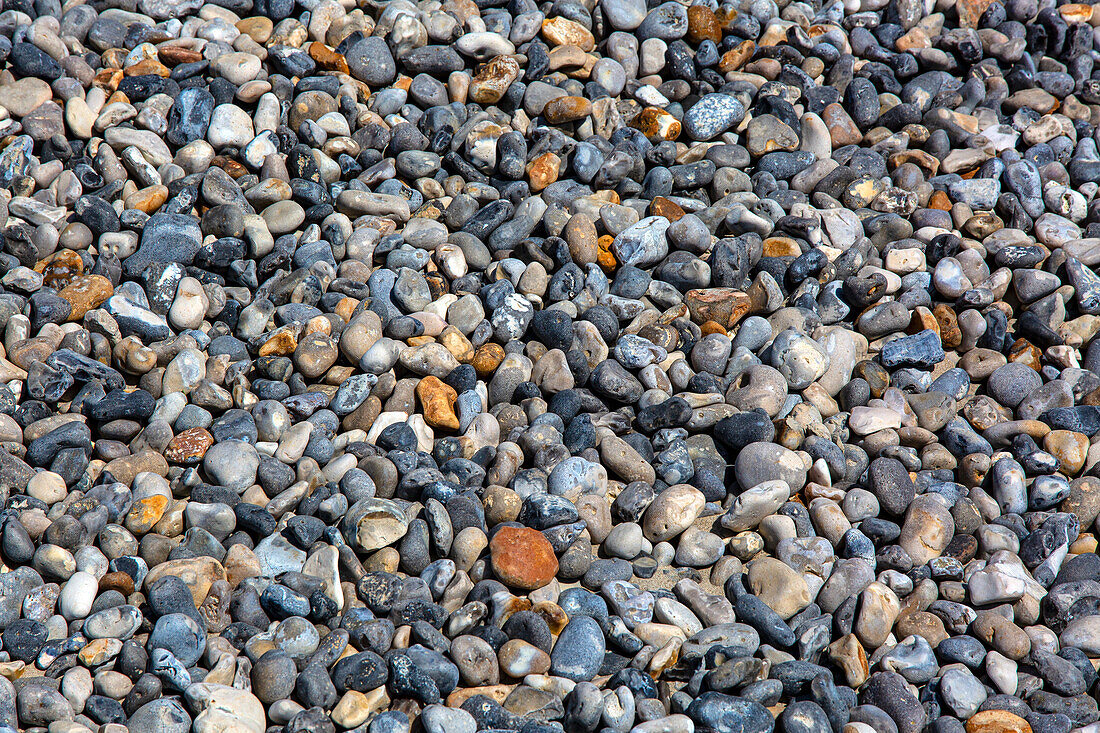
[(522, 557)]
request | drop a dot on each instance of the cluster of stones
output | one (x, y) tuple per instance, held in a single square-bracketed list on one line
[(574, 366)]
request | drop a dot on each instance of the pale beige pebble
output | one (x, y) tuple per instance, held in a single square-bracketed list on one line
[(283, 216), (230, 126), (928, 528), (673, 511), (151, 145), (113, 114), (195, 156), (237, 67), (47, 486), (353, 709), (112, 684), (225, 709), (828, 519), (866, 420), (79, 117), (905, 260), (190, 304), (467, 547), (778, 585), (77, 687), (23, 95), (879, 608)]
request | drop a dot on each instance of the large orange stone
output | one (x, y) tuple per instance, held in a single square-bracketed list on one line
[(970, 11), (438, 399), (566, 109), (842, 129), (997, 721), (565, 32), (660, 206), (737, 56), (703, 25), (543, 170), (86, 292), (725, 306), (327, 59), (189, 446), (522, 558), (657, 125), (59, 269)]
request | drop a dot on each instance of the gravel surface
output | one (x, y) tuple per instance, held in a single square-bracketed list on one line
[(561, 367)]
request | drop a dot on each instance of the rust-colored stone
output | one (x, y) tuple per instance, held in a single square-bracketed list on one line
[(924, 320), (230, 166), (703, 25), (566, 109), (605, 258), (327, 59), (522, 558), (657, 125), (781, 247), (60, 268), (660, 206), (144, 513), (842, 128), (950, 334), (543, 170), (438, 400), (939, 200), (725, 306), (98, 651), (997, 721), (736, 57), (726, 14), (281, 343), (190, 446), (117, 580), (487, 358), (553, 614), (147, 67), (173, 55), (86, 292), (917, 38), (970, 11), (148, 199), (565, 32), (1024, 352), (712, 327), (1069, 447)]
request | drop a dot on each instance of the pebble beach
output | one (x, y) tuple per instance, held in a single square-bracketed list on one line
[(576, 366)]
